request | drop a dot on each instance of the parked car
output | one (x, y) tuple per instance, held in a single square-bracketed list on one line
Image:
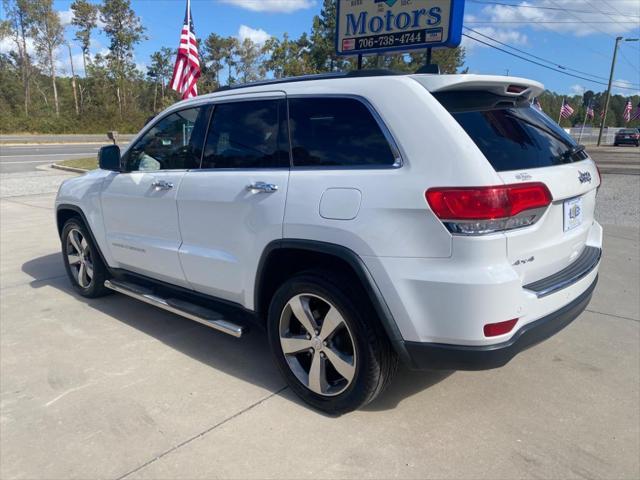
[(362, 219), (627, 136)]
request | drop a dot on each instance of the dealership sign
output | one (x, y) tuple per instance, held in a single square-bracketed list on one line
[(376, 26)]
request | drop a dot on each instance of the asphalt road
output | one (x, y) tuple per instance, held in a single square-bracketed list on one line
[(623, 159), (25, 158), (114, 388)]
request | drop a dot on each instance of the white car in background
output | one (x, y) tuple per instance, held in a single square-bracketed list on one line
[(361, 218)]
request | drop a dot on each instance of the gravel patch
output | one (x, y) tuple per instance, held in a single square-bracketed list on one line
[(31, 183), (618, 201)]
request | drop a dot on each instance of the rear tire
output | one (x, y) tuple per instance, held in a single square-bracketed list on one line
[(85, 268), (337, 356)]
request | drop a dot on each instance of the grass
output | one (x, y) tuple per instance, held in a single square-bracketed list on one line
[(89, 163)]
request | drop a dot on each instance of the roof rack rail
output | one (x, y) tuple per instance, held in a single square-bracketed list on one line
[(315, 76)]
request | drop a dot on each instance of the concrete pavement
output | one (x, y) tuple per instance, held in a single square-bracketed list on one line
[(113, 388)]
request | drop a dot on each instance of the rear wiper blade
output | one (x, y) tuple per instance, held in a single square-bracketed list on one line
[(570, 152)]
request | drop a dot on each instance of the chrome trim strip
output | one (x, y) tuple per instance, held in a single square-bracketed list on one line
[(147, 296), (580, 268)]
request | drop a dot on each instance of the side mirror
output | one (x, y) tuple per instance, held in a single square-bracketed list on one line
[(109, 158)]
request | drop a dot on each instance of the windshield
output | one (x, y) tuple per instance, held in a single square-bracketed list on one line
[(510, 132), (628, 131)]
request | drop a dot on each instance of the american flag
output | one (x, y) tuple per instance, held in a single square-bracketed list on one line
[(590, 112), (187, 69), (536, 104), (566, 111), (627, 111), (636, 114)]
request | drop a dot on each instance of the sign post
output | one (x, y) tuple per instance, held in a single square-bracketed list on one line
[(366, 27)]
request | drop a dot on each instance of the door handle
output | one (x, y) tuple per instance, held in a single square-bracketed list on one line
[(262, 187), (162, 185)]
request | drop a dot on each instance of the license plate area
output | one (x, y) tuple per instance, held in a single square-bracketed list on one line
[(573, 213)]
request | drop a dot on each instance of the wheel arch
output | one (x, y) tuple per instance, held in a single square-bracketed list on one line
[(282, 258), (64, 212)]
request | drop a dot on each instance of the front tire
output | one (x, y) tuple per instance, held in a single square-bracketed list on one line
[(83, 263), (327, 343)]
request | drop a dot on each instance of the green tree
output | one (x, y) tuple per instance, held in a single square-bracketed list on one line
[(323, 31), (159, 71), (248, 62), (214, 54), (125, 31), (288, 58), (448, 59), (47, 34), (18, 27), (230, 48), (85, 19)]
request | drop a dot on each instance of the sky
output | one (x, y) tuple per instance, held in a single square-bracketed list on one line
[(575, 34)]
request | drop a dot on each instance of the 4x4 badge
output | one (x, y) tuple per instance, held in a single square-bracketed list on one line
[(584, 177)]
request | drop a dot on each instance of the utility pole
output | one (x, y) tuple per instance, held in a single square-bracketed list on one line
[(606, 101)]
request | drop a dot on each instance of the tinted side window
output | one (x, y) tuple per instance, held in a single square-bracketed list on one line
[(327, 132), (173, 143), (248, 134)]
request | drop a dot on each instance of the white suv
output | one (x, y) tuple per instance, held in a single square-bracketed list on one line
[(361, 218)]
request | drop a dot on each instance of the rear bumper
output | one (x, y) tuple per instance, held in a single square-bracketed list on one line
[(438, 356), (626, 141)]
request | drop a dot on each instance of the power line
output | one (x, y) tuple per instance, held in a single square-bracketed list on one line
[(535, 56), (546, 22), (580, 19), (538, 7), (545, 66), (624, 57)]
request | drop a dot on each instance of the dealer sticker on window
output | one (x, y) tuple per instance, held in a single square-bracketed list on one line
[(572, 213)]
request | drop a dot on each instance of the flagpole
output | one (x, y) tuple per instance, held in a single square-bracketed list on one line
[(585, 121), (560, 114)]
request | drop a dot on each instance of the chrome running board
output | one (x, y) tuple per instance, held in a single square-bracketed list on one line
[(185, 309)]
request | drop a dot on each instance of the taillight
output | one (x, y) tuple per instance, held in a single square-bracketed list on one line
[(482, 210)]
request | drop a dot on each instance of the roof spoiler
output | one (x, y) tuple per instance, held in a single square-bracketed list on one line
[(499, 85)]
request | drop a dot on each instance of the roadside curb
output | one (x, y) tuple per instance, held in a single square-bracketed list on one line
[(68, 169)]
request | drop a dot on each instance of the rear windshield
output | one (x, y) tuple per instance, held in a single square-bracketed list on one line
[(510, 132), (628, 130)]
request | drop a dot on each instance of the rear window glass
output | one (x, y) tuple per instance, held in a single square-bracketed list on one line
[(336, 132), (511, 134), (628, 131)]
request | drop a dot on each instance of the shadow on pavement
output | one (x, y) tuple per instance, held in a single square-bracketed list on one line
[(248, 358), (406, 384)]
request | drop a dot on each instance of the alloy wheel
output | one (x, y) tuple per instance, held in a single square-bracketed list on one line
[(79, 258), (317, 344)]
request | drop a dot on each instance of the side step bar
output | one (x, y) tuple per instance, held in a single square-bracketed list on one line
[(188, 310)]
